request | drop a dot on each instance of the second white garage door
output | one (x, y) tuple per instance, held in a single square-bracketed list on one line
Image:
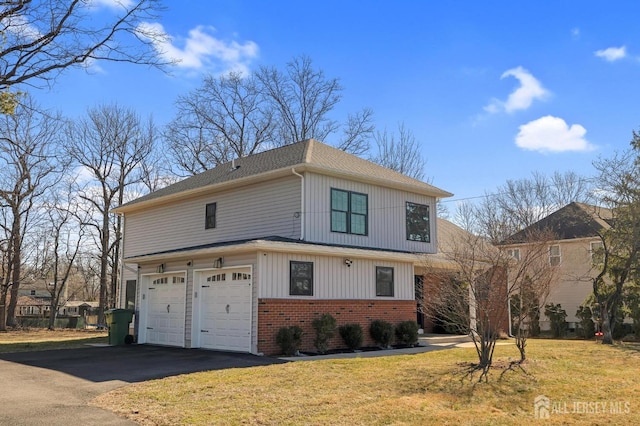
[(225, 310)]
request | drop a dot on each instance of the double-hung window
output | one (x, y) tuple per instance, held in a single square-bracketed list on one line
[(554, 255), (349, 212)]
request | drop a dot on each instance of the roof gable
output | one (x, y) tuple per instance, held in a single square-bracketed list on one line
[(575, 220), (306, 155)]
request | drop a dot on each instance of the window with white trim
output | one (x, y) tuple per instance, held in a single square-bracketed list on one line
[(597, 253), (554, 255), (515, 253)]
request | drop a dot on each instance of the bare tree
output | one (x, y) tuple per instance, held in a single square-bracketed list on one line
[(42, 38), (228, 117), (619, 189), (520, 203), (470, 297), (110, 143), (303, 98), (530, 279), (399, 152), (29, 164), (61, 239)]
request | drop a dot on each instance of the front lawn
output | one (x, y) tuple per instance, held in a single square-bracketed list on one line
[(42, 339), (586, 383)]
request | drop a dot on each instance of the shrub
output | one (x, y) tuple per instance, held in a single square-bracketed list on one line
[(381, 332), (407, 333), (352, 335), (558, 318), (586, 328), (325, 327), (289, 339)]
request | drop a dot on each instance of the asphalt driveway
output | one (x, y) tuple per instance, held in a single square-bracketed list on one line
[(54, 387)]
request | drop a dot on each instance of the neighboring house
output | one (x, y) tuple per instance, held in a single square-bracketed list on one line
[(78, 308), (29, 306), (223, 259), (574, 251)]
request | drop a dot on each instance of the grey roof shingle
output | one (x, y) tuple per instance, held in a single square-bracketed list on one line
[(575, 220), (309, 153)]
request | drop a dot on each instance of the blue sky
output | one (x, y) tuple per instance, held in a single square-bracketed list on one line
[(492, 90)]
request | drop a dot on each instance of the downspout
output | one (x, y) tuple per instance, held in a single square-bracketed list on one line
[(509, 309), (121, 260), (302, 224)]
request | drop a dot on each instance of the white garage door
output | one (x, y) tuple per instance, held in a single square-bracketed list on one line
[(166, 310), (225, 310)]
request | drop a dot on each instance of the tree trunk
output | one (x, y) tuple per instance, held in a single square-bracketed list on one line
[(3, 310), (607, 332)]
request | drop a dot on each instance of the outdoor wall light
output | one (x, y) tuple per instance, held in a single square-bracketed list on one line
[(160, 268), (348, 262), (218, 262)]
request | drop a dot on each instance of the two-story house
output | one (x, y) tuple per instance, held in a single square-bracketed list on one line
[(574, 251), (223, 259)]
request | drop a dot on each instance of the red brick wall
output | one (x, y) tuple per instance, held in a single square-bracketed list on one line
[(276, 313)]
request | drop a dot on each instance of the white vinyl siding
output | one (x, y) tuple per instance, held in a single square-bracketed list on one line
[(386, 215), (268, 209), (332, 278)]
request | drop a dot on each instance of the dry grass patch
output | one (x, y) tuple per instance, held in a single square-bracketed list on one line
[(428, 388), (42, 339)]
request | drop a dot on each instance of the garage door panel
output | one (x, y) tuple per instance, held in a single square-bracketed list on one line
[(166, 311), (226, 311)]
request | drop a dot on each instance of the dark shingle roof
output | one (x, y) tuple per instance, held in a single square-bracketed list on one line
[(309, 154), (575, 220)]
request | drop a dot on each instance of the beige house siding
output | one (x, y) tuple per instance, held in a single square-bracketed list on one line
[(574, 277), (386, 221), (332, 278), (575, 272), (270, 208)]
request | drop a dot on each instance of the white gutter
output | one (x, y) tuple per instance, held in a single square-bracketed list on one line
[(118, 295), (302, 221)]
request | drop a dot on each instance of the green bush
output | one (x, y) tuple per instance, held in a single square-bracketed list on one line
[(558, 318), (352, 335), (289, 339), (407, 333), (381, 332), (325, 327), (585, 327)]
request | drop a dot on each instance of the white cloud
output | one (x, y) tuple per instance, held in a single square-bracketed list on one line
[(529, 90), (612, 53), (111, 4), (552, 134), (200, 49), (575, 33)]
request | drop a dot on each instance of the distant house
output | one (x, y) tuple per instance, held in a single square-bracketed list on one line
[(224, 259), (32, 306), (575, 251)]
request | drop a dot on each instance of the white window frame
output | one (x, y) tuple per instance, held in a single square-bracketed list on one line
[(555, 256)]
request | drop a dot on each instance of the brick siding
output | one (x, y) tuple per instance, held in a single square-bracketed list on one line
[(276, 313)]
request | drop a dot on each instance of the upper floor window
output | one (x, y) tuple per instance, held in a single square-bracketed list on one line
[(418, 222), (210, 216), (384, 281), (301, 278), (597, 253), (554, 255), (349, 211), (515, 253)]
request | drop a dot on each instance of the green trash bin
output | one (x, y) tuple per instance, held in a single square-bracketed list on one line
[(118, 321)]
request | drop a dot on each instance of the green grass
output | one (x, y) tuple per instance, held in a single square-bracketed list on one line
[(429, 388), (42, 339)]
